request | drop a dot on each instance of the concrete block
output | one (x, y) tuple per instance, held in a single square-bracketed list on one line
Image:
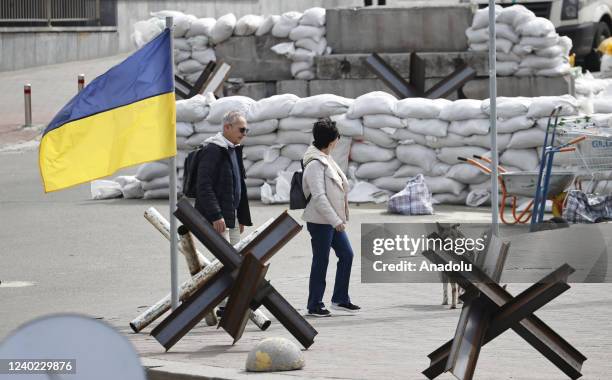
[(295, 87), (415, 27), (518, 86), (252, 59), (275, 354), (439, 65), (350, 88), (328, 66), (253, 90)]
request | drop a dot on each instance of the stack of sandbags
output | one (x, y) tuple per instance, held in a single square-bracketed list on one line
[(307, 33), (526, 45)]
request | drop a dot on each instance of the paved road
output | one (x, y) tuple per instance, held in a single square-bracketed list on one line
[(103, 259)]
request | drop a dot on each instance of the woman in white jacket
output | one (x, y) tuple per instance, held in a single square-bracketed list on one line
[(326, 215)]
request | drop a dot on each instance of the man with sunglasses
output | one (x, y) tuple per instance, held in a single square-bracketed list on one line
[(221, 195)]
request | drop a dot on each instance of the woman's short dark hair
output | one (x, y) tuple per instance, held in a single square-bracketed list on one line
[(324, 132)]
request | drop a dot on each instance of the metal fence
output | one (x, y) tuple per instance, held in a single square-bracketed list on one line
[(50, 12)]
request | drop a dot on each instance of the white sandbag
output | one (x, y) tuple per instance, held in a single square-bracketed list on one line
[(481, 17), (181, 143), (285, 24), (383, 121), (438, 169), (274, 107), (294, 152), (298, 66), (429, 127), (469, 127), (230, 103), (449, 198), (479, 47), (539, 42), (198, 42), (163, 193), (394, 184), (363, 192), (250, 182), (506, 68), (522, 50), (132, 190), (301, 54), (272, 153), (550, 52), (294, 137), (323, 105), (508, 57), (449, 154), (254, 152), (268, 170), (262, 127), (444, 185), (405, 171), (566, 45), (524, 72), (537, 27), (376, 102), (304, 124), (406, 137), (184, 129), (181, 55), (247, 164), (318, 47), (348, 127), (602, 105), (205, 126), (417, 155), (201, 27), (451, 139), (466, 173), (477, 36), (198, 139), (478, 197), (248, 25), (372, 170), (105, 189), (542, 106), (151, 170), (204, 56), (506, 32), (181, 44), (524, 159), (420, 108), (313, 16), (190, 66), (266, 26), (268, 139), (528, 138), (366, 152), (507, 108), (463, 109), (156, 183), (306, 31), (379, 137), (223, 29), (145, 31), (515, 15), (305, 75), (484, 141), (284, 48), (563, 69), (503, 45), (540, 63)]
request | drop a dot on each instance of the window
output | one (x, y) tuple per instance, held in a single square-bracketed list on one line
[(27, 13)]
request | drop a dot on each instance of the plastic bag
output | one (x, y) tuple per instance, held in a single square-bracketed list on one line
[(415, 199)]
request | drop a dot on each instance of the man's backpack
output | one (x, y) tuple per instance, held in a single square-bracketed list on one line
[(190, 172), (297, 199)]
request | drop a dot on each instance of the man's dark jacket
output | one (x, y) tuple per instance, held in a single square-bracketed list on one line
[(215, 189)]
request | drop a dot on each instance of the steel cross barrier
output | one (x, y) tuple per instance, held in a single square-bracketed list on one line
[(416, 87), (490, 310), (242, 278)]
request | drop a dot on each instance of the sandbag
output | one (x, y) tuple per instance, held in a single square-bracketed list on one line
[(205, 126), (466, 173), (304, 124), (317, 47), (420, 108), (204, 56), (156, 183), (528, 138), (298, 66), (181, 143), (481, 17), (190, 66), (506, 68), (197, 139), (251, 182), (394, 184), (198, 42), (223, 29), (285, 24), (294, 152), (405, 136), (405, 171), (305, 75), (383, 121), (274, 107), (307, 31), (507, 108), (266, 26), (284, 48), (201, 27), (540, 63), (366, 152), (313, 16), (163, 193), (301, 54), (181, 55), (132, 190), (323, 105), (268, 170), (348, 127), (463, 109), (417, 155), (254, 152), (220, 107), (515, 15), (506, 32), (145, 31), (484, 141), (524, 159), (262, 127), (602, 105), (267, 139), (537, 27), (372, 103), (469, 127), (477, 36), (550, 52), (379, 137), (451, 139), (151, 170), (562, 69), (449, 154), (294, 137), (503, 45), (450, 198), (509, 57), (254, 193), (429, 127), (444, 185), (539, 42), (372, 170), (184, 129), (105, 189), (248, 25), (542, 106)]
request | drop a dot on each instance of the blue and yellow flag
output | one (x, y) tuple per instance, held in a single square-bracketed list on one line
[(124, 117)]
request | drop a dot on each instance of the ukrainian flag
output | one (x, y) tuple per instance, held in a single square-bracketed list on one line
[(124, 117)]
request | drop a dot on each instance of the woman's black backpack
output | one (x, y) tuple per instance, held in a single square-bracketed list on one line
[(297, 199)]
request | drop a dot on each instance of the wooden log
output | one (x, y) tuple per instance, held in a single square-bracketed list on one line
[(189, 287)]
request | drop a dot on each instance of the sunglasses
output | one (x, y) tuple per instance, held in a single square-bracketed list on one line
[(244, 131)]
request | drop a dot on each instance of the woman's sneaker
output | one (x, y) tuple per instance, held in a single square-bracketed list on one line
[(351, 308), (319, 312)]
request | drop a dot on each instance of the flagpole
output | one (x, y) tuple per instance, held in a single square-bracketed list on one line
[(174, 293), (493, 118)]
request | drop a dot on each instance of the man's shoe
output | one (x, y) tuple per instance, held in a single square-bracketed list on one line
[(319, 312), (351, 308)]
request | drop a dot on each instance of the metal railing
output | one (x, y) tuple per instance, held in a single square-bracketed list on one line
[(50, 12)]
